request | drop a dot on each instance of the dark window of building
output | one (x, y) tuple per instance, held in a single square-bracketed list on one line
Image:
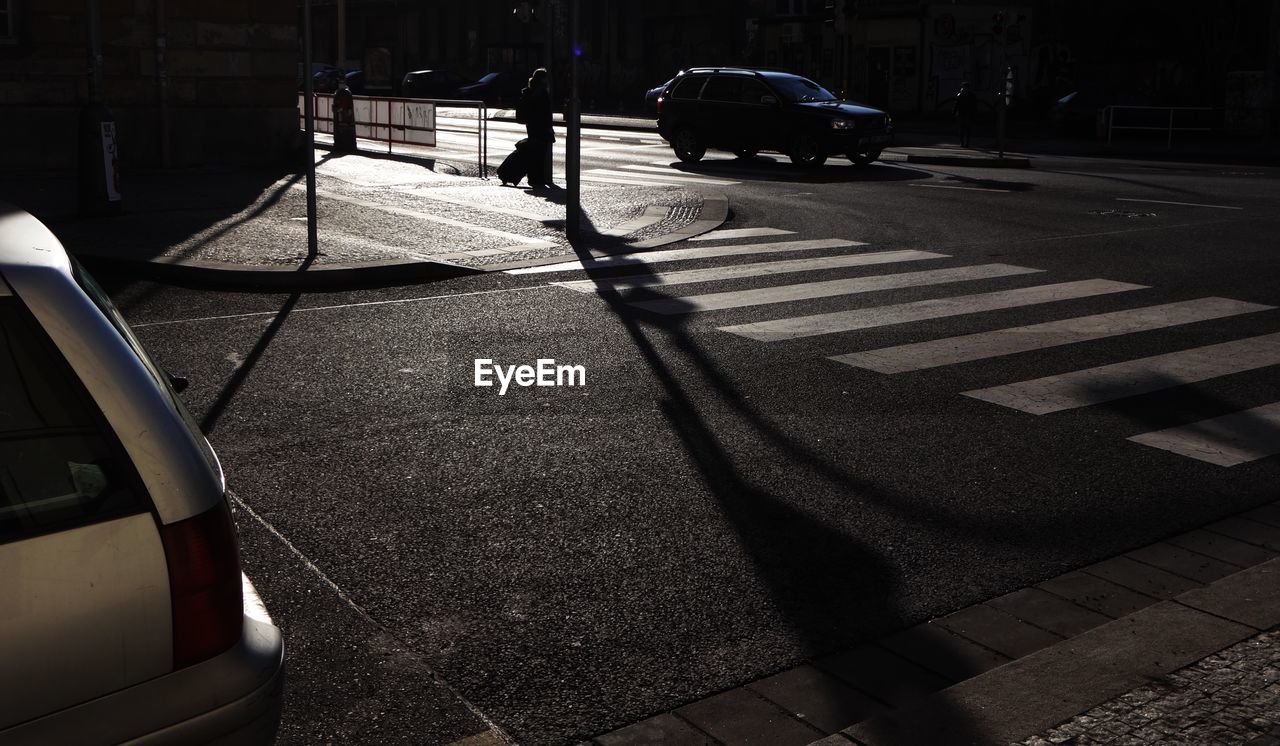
[(8, 32)]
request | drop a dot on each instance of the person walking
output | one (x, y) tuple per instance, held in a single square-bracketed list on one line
[(965, 105), (535, 111)]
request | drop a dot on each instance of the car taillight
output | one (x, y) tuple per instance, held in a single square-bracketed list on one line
[(204, 585), (661, 100)]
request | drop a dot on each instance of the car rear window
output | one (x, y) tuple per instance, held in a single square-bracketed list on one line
[(160, 377), (60, 465)]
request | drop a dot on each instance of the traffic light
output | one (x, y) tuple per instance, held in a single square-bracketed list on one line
[(997, 23)]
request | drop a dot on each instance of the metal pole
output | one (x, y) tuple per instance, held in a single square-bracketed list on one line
[(572, 144), (95, 52), (309, 117), (342, 35)]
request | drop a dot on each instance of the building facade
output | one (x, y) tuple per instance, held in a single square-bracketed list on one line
[(188, 83)]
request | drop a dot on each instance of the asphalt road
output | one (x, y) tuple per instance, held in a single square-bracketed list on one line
[(710, 508)]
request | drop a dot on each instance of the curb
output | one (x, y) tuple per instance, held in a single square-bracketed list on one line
[(241, 276), (224, 275), (971, 161)]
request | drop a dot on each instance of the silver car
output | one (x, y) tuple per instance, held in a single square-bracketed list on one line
[(124, 615)]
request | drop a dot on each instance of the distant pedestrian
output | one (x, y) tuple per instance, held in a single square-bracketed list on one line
[(965, 105), (534, 110)]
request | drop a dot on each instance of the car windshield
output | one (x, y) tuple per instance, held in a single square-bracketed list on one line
[(488, 78), (798, 90)]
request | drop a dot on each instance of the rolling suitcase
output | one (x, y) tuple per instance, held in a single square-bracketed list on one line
[(515, 167)]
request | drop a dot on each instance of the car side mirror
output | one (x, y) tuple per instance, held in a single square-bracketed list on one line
[(768, 100)]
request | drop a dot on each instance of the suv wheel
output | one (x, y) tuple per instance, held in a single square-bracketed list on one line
[(806, 152), (746, 153), (863, 157), (687, 145)]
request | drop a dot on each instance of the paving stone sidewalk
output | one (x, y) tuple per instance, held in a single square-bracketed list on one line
[(370, 210), (1175, 642), (1232, 697)]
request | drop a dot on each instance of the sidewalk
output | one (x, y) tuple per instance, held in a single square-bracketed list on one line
[(1177, 642), (379, 219)]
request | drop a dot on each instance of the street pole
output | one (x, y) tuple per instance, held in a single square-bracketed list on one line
[(1001, 100), (342, 34), (572, 145), (309, 119)]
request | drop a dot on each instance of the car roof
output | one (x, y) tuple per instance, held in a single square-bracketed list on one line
[(765, 72), (25, 241)]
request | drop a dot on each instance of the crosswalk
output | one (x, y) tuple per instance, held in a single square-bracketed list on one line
[(460, 145), (1226, 440)]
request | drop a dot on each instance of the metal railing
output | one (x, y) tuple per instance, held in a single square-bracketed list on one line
[(1149, 118), (403, 121)]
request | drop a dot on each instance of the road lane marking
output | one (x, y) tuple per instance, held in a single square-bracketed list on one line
[(806, 291), (1017, 339), (675, 255), (619, 148), (935, 308), (670, 175), (340, 306), (970, 189), (1184, 204), (1228, 440), (726, 233), (1082, 388), (758, 269)]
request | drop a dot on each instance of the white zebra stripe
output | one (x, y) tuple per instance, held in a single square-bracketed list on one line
[(757, 269), (865, 318), (952, 350), (727, 233), (1109, 382), (806, 291), (1228, 440), (702, 252)]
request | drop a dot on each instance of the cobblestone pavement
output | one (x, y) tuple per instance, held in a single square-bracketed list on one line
[(369, 209), (1231, 697)]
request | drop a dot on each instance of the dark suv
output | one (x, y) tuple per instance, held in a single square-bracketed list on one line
[(745, 111)]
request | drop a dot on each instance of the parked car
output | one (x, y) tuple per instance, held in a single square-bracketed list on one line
[(326, 80), (355, 81), (125, 614), (495, 89), (316, 69), (651, 98), (746, 110), (439, 84)]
